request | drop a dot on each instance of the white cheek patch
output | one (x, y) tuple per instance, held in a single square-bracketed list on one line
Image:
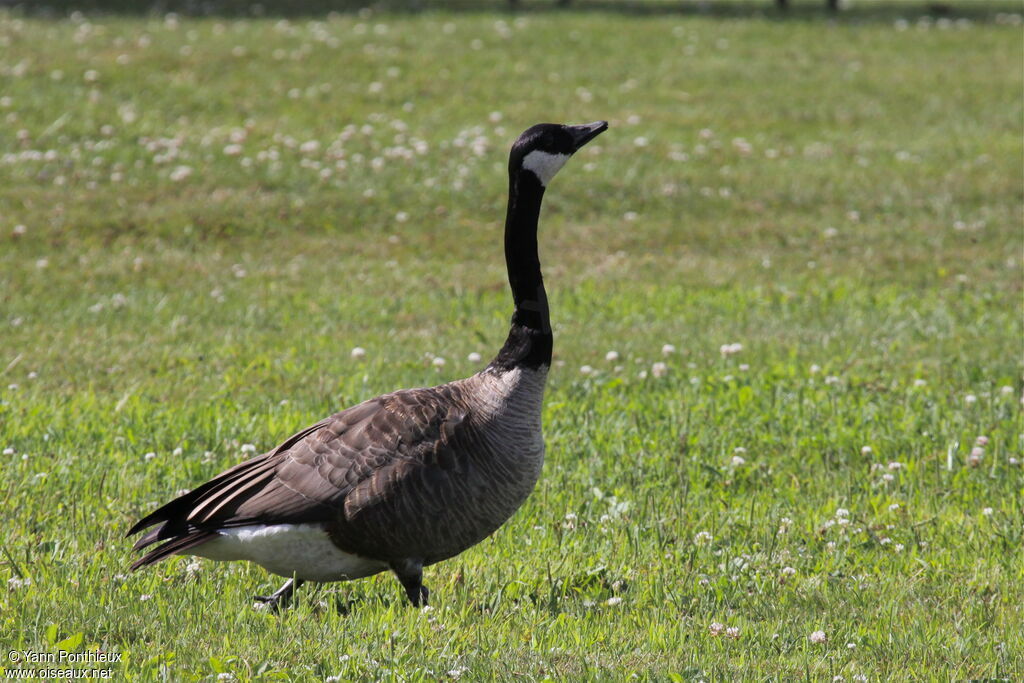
[(544, 165)]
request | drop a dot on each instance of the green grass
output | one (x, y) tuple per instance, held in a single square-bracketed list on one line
[(840, 194)]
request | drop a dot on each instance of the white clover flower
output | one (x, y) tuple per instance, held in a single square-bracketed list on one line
[(613, 601), (732, 632), (9, 451), (894, 507), (659, 370), (866, 450), (180, 173), (668, 350), (741, 145), (831, 380), (611, 356), (1004, 390), (716, 628), (474, 357), (987, 511), (981, 441), (920, 383), (899, 547), (586, 370), (970, 399), (144, 597), (818, 637), (788, 571), (358, 353), (703, 538), (737, 461), (439, 362), (842, 512), (248, 448), (149, 456)]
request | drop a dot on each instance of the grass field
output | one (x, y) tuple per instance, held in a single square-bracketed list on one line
[(201, 217)]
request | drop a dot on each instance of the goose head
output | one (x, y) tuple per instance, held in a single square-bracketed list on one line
[(543, 149)]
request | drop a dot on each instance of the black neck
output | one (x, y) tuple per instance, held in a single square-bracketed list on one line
[(529, 339)]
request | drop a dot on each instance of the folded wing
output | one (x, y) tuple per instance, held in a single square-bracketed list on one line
[(327, 473)]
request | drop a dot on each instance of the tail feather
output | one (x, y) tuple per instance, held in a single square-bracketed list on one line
[(151, 537), (175, 513), (187, 521), (180, 506), (172, 547)]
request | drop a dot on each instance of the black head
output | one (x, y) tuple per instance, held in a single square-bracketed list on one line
[(544, 148)]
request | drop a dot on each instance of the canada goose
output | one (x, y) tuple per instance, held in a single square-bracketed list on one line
[(406, 479)]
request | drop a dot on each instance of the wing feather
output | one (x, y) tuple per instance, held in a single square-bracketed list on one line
[(325, 473)]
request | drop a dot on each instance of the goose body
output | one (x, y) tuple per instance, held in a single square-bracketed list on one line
[(406, 479)]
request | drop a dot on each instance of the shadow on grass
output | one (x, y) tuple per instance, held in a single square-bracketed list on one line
[(799, 10)]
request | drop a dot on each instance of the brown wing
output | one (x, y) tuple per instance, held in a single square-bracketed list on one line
[(335, 466)]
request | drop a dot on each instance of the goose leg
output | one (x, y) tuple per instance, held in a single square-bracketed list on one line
[(410, 574), (281, 597)]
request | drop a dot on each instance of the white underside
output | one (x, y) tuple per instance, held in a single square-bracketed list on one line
[(301, 550)]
